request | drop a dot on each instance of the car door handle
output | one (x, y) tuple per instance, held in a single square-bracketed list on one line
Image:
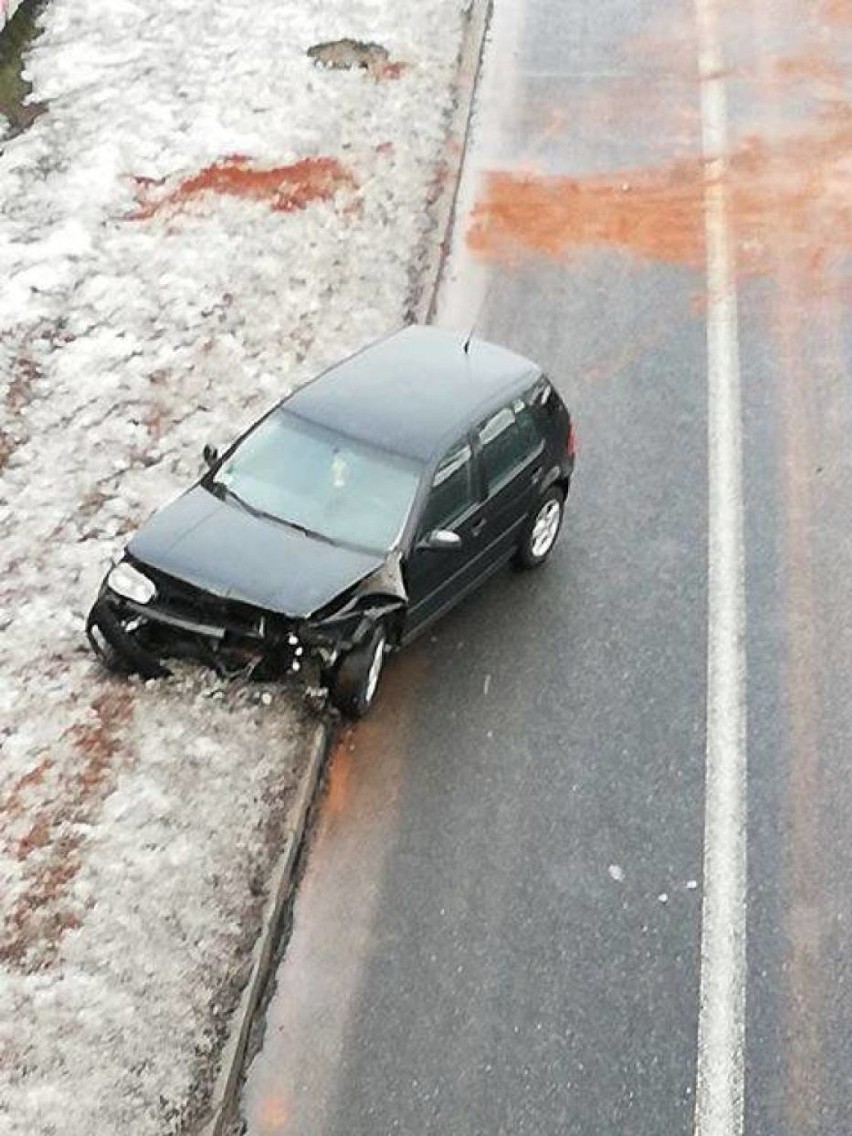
[(477, 528), (537, 475)]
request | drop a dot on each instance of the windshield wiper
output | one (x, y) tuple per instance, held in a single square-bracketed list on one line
[(304, 529), (221, 490)]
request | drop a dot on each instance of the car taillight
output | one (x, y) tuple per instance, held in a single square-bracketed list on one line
[(570, 440)]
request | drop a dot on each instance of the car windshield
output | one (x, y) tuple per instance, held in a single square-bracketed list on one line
[(314, 479)]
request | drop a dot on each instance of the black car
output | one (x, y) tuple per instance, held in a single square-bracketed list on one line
[(352, 515)]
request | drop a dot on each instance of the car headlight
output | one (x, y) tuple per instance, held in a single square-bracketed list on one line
[(127, 581)]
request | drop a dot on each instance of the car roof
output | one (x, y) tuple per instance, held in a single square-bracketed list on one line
[(413, 392)]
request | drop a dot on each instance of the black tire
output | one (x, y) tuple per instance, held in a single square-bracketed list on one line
[(531, 553), (354, 682)]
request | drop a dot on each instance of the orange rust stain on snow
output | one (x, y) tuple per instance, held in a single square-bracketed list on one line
[(15, 801), (50, 850), (284, 189), (657, 213), (97, 741), (19, 394), (393, 69)]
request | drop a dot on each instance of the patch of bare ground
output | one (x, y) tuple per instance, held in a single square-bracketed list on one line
[(353, 55), (19, 394), (50, 848)]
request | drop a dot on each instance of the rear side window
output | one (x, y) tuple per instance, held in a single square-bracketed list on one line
[(527, 427), (544, 396), (452, 489), (508, 439)]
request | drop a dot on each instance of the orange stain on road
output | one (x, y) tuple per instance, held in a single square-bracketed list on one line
[(809, 68), (837, 11), (657, 213), (273, 1115), (340, 774)]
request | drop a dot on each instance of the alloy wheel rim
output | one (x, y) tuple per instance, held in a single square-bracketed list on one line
[(545, 529), (375, 670)]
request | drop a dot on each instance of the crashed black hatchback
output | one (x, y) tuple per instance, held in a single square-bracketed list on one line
[(352, 515)]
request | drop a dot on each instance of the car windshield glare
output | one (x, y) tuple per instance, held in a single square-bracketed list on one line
[(322, 481)]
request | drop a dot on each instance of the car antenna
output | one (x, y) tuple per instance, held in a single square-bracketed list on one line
[(466, 347)]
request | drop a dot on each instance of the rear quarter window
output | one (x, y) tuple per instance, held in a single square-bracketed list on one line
[(528, 427), (545, 396), (508, 439)]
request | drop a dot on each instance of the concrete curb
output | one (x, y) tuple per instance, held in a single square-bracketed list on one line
[(432, 255), (224, 1096)]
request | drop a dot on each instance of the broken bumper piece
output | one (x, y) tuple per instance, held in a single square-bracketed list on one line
[(115, 644), (134, 638)]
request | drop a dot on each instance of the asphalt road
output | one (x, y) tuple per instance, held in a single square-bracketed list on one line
[(500, 926)]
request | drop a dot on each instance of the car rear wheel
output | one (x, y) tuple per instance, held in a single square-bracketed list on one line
[(542, 529), (356, 680)]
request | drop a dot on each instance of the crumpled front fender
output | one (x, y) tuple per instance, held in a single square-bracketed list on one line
[(378, 596), (387, 580)]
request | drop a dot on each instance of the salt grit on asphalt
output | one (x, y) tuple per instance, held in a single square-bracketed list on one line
[(202, 218)]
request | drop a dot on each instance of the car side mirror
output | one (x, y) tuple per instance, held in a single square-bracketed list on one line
[(210, 455), (441, 540)]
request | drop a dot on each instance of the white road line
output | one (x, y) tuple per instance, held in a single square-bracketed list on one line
[(721, 1024)]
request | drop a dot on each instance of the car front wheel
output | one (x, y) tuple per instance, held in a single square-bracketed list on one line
[(542, 529), (355, 681)]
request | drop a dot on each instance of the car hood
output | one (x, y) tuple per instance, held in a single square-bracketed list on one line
[(217, 545)]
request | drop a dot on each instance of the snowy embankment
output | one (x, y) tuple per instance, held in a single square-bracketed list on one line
[(202, 219)]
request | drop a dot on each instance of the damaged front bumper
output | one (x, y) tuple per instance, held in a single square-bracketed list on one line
[(234, 639), (139, 638)]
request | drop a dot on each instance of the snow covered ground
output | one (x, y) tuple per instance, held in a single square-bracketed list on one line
[(201, 220)]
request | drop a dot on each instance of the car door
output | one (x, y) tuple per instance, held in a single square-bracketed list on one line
[(511, 448), (436, 578)]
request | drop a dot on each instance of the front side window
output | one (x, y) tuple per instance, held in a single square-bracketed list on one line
[(452, 490), (315, 479), (508, 438)]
